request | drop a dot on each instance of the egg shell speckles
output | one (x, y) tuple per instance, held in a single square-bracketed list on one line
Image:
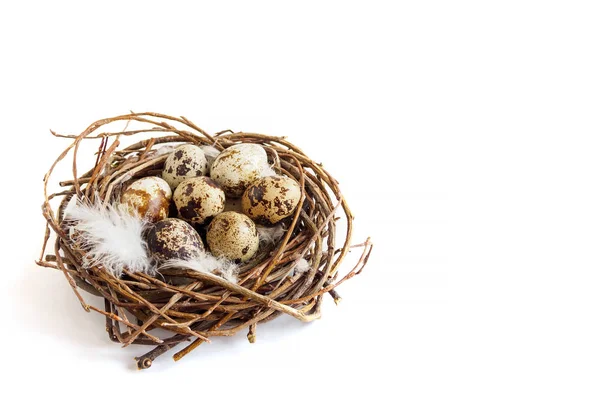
[(271, 199), (199, 198), (174, 239), (148, 198), (186, 161), (239, 166), (232, 235)]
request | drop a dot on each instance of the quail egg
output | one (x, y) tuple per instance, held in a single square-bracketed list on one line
[(271, 199), (147, 198), (174, 239), (198, 198), (186, 161), (239, 166), (232, 235)]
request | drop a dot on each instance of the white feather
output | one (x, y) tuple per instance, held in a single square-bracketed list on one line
[(301, 266), (267, 170), (165, 149), (210, 153), (70, 205), (207, 263), (111, 237), (270, 235)]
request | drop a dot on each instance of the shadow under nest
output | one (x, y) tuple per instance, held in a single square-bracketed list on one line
[(194, 305)]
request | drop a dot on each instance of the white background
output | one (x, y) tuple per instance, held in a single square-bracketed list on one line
[(465, 136)]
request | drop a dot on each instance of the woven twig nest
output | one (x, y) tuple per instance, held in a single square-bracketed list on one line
[(191, 304)]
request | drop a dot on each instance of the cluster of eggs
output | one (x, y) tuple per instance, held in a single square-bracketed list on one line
[(203, 191)]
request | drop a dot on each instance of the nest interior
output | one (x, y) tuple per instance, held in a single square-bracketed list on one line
[(192, 305)]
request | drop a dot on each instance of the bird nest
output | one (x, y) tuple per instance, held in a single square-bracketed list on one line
[(194, 305)]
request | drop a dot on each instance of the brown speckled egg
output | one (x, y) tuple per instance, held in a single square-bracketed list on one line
[(232, 235), (270, 199), (186, 161), (174, 239), (198, 198), (147, 198), (239, 166)]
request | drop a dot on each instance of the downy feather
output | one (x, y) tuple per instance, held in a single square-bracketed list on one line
[(111, 237), (207, 263)]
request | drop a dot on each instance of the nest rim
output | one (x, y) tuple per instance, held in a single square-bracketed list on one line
[(139, 303)]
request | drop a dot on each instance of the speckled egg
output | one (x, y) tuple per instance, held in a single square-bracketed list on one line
[(148, 198), (239, 166), (174, 239), (186, 161), (232, 235), (199, 198), (271, 199)]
